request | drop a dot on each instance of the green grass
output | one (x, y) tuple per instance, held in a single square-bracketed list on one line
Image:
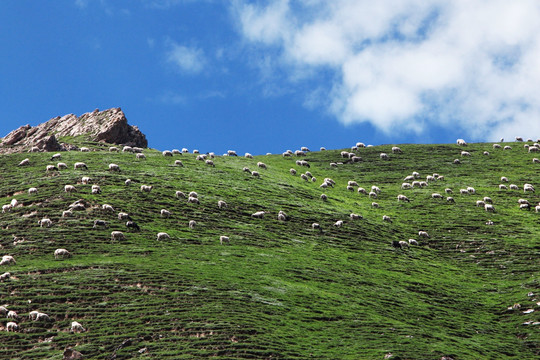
[(280, 290)]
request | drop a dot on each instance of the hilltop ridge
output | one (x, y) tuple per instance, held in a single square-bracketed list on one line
[(109, 126)]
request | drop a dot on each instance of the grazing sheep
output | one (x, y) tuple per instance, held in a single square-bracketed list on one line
[(67, 213), (299, 153), (471, 190), (45, 222), (6, 208), (489, 208), (224, 239), (85, 180), (8, 260), (523, 201), (322, 148), (362, 190), (5, 276), (480, 203), (165, 213), (167, 153), (316, 226), (117, 235), (507, 147), (423, 234), (338, 223), (360, 145), (24, 162), (123, 216), (193, 200), (193, 194), (184, 150), (115, 167), (258, 214), (409, 178), (248, 156), (84, 149), (180, 194), (504, 179), (356, 159), (286, 154), (514, 187), (192, 224), (450, 199), (98, 223), (163, 236), (463, 192), (489, 222), (146, 188), (113, 149), (231, 153), (461, 142), (528, 187), (524, 207), (354, 216), (384, 156), (292, 171), (496, 146), (12, 315), (3, 310), (127, 149), (536, 161), (127, 182), (503, 187), (416, 184), (415, 174), (324, 197), (403, 244), (222, 204), (51, 168), (375, 189), (179, 163), (373, 194), (132, 225), (96, 189), (413, 242), (61, 253), (430, 178), (350, 188), (387, 218), (210, 163), (262, 165), (465, 153), (537, 208), (77, 327), (11, 326), (345, 154), (255, 174), (324, 185), (396, 150), (176, 152), (80, 165), (374, 204), (140, 156), (487, 199), (246, 169), (448, 191), (457, 161), (107, 207), (402, 198), (436, 196), (282, 216), (518, 138)]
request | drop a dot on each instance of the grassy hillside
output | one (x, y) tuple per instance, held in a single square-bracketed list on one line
[(279, 290)]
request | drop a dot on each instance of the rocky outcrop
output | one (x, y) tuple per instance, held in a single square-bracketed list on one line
[(109, 126)]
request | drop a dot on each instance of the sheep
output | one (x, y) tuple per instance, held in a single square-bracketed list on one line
[(463, 192), (471, 190), (403, 244), (338, 223), (402, 198), (107, 207), (350, 188), (165, 213), (201, 157), (84, 149), (396, 150), (248, 156), (536, 161), (507, 147), (24, 162), (523, 201), (374, 204), (461, 142), (176, 152), (524, 207), (127, 182), (362, 190), (528, 187), (85, 180), (489, 208), (293, 171), (413, 242), (184, 150), (409, 178), (345, 154), (255, 174), (384, 156), (45, 222), (316, 226), (61, 165), (480, 203), (123, 216), (415, 174), (12, 326), (457, 161), (77, 327), (324, 197), (416, 184), (127, 149), (354, 216), (303, 163), (61, 253), (282, 216), (496, 146), (6, 208), (193, 200), (387, 218), (115, 167), (210, 163), (101, 223), (534, 149), (193, 194), (192, 224), (375, 189), (117, 235), (80, 165), (180, 194), (96, 189), (231, 153), (352, 183), (356, 159), (163, 236), (305, 149), (430, 178), (286, 154), (436, 196), (360, 145), (146, 188), (487, 199), (322, 148), (12, 315), (113, 149), (67, 213), (504, 179), (7, 275), (222, 204), (51, 168), (537, 208), (258, 214), (3, 310), (132, 225), (503, 187), (486, 153), (262, 165), (299, 153), (448, 191), (324, 185), (422, 233), (518, 138), (167, 153), (489, 222), (246, 169), (514, 187), (450, 199), (330, 182), (8, 260)]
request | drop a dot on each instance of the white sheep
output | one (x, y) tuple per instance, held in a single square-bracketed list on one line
[(354, 216), (338, 223), (24, 162), (424, 234), (77, 327), (45, 222), (80, 165), (140, 156), (416, 183), (222, 204), (324, 197), (262, 165), (489, 208), (487, 199), (373, 194), (163, 236), (384, 156), (193, 194), (223, 239), (436, 196), (496, 146), (127, 149), (450, 199), (123, 216), (528, 187), (84, 149), (107, 207), (448, 191), (165, 213), (299, 153), (127, 182), (5, 276), (61, 253), (480, 203), (167, 153), (193, 200), (376, 189), (12, 315), (537, 208), (465, 153), (362, 190), (536, 161), (113, 149), (210, 163), (430, 178), (8, 260), (463, 192), (282, 216), (258, 214), (246, 169), (85, 180), (117, 235), (322, 148), (374, 204), (192, 224), (293, 171), (471, 190), (180, 194), (231, 153), (146, 188), (114, 167), (61, 165), (387, 218), (413, 242), (507, 147), (6, 208), (96, 189), (402, 198), (504, 179), (396, 150), (457, 161), (503, 187), (12, 326), (51, 168), (248, 156), (461, 142), (514, 187), (255, 174), (67, 213)]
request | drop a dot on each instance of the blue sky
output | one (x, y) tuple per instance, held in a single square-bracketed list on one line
[(266, 76)]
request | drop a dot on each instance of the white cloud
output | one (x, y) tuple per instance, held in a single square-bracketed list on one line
[(406, 64), (186, 59)]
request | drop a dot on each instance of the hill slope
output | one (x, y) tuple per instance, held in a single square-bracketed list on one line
[(280, 289)]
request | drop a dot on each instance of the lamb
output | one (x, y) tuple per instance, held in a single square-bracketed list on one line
[(45, 222), (132, 225), (146, 188), (8, 260), (167, 153), (489, 208), (387, 218), (180, 194), (115, 167), (396, 150), (77, 327), (107, 207), (123, 216), (101, 223), (258, 214), (384, 156), (436, 196), (262, 165), (163, 236), (193, 200), (117, 235), (165, 213), (338, 223), (80, 165), (222, 204), (402, 198), (423, 234), (61, 253), (223, 239), (192, 224), (293, 171), (12, 326), (96, 189), (85, 180), (61, 165), (24, 162), (354, 216)]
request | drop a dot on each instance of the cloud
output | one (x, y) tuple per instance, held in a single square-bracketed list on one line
[(189, 60), (470, 65)]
